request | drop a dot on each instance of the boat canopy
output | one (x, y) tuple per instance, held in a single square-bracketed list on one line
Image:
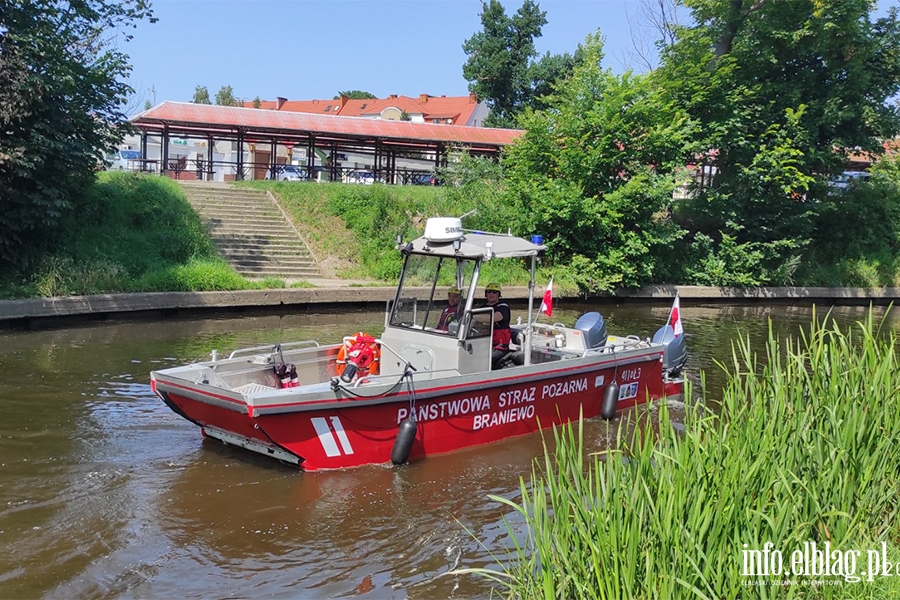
[(473, 245)]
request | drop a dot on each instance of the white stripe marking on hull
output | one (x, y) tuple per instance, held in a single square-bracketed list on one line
[(325, 436)]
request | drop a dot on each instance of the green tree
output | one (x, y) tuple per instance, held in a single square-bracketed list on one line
[(62, 99), (225, 97), (782, 90), (257, 102), (594, 174), (546, 73), (356, 95), (501, 68), (201, 95)]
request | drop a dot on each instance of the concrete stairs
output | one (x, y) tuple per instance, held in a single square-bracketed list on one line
[(251, 232)]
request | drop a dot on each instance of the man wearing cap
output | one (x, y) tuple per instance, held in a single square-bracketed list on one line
[(501, 318), (451, 312)]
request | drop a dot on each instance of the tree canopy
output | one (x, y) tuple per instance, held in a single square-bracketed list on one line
[(594, 173), (62, 97), (225, 97), (501, 68), (783, 91), (766, 98), (356, 95), (201, 95)]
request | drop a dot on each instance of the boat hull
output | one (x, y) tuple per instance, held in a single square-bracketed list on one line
[(449, 416)]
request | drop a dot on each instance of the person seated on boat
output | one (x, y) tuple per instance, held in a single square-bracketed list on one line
[(501, 317), (451, 312)]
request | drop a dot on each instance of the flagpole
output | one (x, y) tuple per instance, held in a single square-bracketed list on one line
[(530, 312)]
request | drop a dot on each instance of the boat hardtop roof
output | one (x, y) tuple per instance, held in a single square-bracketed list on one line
[(455, 242)]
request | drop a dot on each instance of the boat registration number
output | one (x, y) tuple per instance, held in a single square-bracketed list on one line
[(629, 390)]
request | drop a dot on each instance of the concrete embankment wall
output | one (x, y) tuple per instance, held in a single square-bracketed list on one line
[(49, 311)]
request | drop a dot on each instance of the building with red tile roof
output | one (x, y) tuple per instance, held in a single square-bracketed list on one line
[(231, 142), (438, 110)]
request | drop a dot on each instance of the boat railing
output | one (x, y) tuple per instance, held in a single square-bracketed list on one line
[(274, 348), (619, 344), (374, 379)]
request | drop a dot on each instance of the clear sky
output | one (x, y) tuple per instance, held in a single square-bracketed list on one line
[(306, 49)]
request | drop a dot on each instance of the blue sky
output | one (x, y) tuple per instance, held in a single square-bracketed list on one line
[(305, 49)]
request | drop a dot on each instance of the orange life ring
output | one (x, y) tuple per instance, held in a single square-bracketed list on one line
[(359, 342)]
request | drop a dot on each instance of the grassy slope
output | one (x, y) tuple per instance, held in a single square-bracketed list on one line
[(352, 229), (128, 234)]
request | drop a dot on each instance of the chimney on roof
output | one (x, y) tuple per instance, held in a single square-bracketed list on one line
[(423, 98), (392, 96), (344, 98), (279, 102), (473, 97)]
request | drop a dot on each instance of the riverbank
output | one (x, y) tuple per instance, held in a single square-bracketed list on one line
[(44, 311)]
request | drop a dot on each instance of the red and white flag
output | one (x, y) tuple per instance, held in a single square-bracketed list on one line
[(547, 302), (675, 317)]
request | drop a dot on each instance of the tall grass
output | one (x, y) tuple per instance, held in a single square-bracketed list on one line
[(806, 447)]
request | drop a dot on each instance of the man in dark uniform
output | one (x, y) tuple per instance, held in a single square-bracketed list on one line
[(501, 316)]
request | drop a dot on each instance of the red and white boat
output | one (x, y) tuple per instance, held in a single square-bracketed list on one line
[(417, 390)]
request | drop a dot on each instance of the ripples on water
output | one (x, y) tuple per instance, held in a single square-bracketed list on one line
[(104, 492)]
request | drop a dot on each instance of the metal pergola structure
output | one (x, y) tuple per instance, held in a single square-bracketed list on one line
[(384, 141)]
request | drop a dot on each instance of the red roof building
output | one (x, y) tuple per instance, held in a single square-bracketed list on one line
[(438, 110), (396, 150)]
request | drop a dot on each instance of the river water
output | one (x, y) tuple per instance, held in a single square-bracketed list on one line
[(105, 493)]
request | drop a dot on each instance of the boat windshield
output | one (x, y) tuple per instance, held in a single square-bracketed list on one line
[(423, 289)]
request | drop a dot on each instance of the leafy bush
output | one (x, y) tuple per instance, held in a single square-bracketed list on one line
[(748, 264), (856, 239), (594, 173)]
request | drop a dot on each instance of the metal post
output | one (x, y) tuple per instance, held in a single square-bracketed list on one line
[(530, 311), (209, 158), (164, 142), (143, 150), (240, 161), (273, 159), (311, 156)]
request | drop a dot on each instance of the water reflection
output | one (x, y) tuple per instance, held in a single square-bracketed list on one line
[(106, 493)]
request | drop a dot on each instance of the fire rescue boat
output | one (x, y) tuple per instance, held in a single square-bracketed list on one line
[(419, 390)]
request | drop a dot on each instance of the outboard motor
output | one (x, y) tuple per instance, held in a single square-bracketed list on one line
[(675, 353), (592, 326)]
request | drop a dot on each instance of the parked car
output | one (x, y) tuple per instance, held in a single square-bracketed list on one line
[(287, 173), (842, 181), (361, 177), (424, 179), (124, 160)]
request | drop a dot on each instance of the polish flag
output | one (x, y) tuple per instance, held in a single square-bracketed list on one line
[(547, 302), (675, 317)]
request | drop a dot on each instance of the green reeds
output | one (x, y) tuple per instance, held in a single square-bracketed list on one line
[(805, 448)]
